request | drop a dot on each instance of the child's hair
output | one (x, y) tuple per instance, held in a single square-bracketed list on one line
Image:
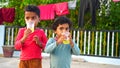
[(32, 8), (61, 20)]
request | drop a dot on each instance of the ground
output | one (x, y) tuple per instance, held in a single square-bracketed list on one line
[(76, 63)]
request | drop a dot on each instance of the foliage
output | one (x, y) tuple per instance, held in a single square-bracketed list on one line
[(110, 22)]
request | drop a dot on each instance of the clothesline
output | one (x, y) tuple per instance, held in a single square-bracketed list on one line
[(48, 11)]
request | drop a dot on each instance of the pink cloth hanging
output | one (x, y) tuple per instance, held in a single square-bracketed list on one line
[(47, 12), (1, 19), (116, 0), (61, 8), (8, 14)]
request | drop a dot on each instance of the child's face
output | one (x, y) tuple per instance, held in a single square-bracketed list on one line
[(31, 16), (62, 28)]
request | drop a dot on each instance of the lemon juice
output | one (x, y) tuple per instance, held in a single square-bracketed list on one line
[(66, 42)]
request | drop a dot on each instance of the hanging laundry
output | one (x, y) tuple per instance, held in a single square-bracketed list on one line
[(116, 0), (1, 19), (61, 8), (47, 12), (8, 14), (86, 5), (72, 4)]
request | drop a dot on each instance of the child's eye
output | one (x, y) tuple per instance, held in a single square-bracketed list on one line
[(61, 28), (33, 18), (67, 28), (27, 18)]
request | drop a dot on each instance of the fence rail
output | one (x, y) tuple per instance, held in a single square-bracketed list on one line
[(91, 42)]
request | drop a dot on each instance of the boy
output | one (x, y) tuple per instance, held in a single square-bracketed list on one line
[(31, 42), (60, 52)]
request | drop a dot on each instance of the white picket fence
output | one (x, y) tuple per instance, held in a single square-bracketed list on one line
[(103, 43)]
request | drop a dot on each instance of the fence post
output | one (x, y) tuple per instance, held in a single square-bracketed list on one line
[(2, 33)]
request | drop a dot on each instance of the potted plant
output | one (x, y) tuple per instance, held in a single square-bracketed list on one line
[(8, 50)]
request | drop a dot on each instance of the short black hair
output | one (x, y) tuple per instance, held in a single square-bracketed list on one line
[(61, 20), (32, 8)]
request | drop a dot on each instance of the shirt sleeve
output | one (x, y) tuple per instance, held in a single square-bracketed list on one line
[(44, 40), (75, 49), (18, 44), (50, 46)]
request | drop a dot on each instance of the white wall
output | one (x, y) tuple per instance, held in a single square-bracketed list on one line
[(2, 33)]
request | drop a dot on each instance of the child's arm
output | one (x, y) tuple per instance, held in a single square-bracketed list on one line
[(21, 37), (50, 46), (41, 43), (75, 49), (18, 42), (44, 40)]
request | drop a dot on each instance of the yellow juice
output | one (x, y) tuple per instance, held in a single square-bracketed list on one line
[(32, 29), (66, 42)]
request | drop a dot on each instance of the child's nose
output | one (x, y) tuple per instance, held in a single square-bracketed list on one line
[(64, 30), (30, 19)]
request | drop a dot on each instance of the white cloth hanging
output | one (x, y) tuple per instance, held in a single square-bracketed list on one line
[(72, 4)]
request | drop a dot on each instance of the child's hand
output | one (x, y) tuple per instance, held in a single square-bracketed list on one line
[(60, 39), (71, 41), (27, 32), (36, 39)]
